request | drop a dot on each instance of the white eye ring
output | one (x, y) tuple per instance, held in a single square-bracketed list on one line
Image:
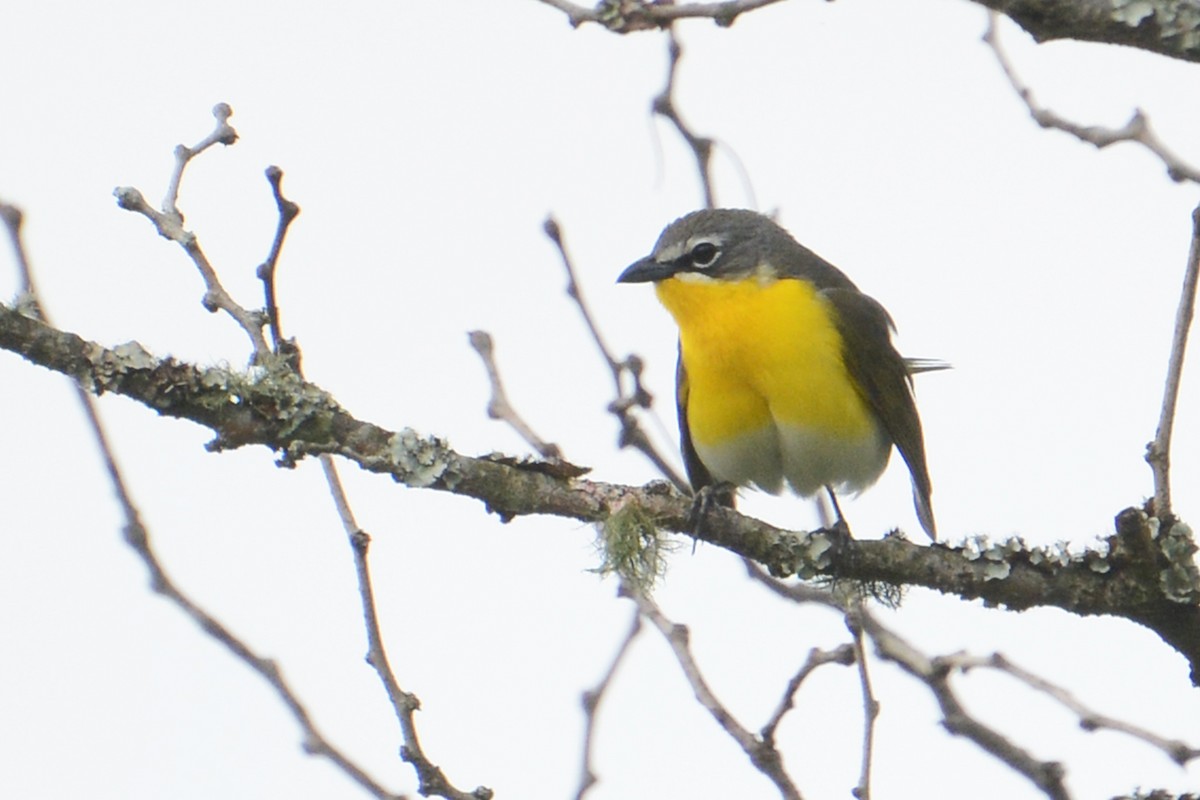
[(704, 254)]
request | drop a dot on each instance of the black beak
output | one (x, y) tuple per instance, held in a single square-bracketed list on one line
[(647, 270)]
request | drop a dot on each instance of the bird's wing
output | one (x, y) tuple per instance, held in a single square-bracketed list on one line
[(697, 473), (883, 377)]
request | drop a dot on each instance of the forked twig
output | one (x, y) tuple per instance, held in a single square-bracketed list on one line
[(762, 753), (636, 395), (169, 224), (1179, 752), (1136, 130), (843, 654), (934, 673), (138, 538), (664, 105), (431, 780)]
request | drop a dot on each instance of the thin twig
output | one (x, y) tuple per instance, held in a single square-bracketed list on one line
[(844, 655), (223, 133), (626, 16), (796, 592), (498, 406), (591, 703), (432, 781), (169, 224), (1158, 452), (1179, 752), (13, 218), (664, 105), (288, 211), (138, 538), (1136, 130), (763, 754), (631, 434), (870, 709), (934, 673)]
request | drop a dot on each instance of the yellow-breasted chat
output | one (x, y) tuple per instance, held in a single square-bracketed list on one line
[(787, 373)]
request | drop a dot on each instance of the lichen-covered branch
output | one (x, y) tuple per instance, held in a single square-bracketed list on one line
[(1168, 27), (1141, 572)]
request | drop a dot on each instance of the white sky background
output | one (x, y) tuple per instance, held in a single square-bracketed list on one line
[(425, 143)]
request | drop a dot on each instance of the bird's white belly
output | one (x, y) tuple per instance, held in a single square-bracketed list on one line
[(804, 458)]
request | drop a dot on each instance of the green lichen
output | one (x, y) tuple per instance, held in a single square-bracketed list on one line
[(1132, 12), (1180, 580), (631, 547), (1178, 22), (420, 461), (819, 547)]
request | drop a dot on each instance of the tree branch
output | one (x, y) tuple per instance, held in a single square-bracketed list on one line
[(627, 16), (1141, 573), (1167, 27)]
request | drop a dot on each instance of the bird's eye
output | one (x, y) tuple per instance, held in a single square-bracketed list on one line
[(704, 254)]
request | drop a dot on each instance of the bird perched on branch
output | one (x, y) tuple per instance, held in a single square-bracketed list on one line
[(787, 373)]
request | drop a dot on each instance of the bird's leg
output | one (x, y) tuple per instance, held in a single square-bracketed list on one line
[(704, 500), (839, 528)]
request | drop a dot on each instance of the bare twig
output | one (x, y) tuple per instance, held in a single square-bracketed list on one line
[(763, 754), (288, 211), (843, 655), (13, 218), (664, 105), (1179, 752), (1136, 130), (934, 673), (498, 406), (432, 780), (1158, 452), (632, 434), (223, 133), (796, 592), (138, 538), (626, 16), (854, 654), (870, 709), (169, 224), (591, 703)]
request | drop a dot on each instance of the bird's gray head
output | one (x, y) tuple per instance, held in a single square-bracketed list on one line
[(727, 243)]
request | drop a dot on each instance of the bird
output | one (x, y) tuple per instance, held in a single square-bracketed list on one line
[(787, 375)]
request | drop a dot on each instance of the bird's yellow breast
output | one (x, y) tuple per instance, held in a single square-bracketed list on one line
[(762, 351)]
